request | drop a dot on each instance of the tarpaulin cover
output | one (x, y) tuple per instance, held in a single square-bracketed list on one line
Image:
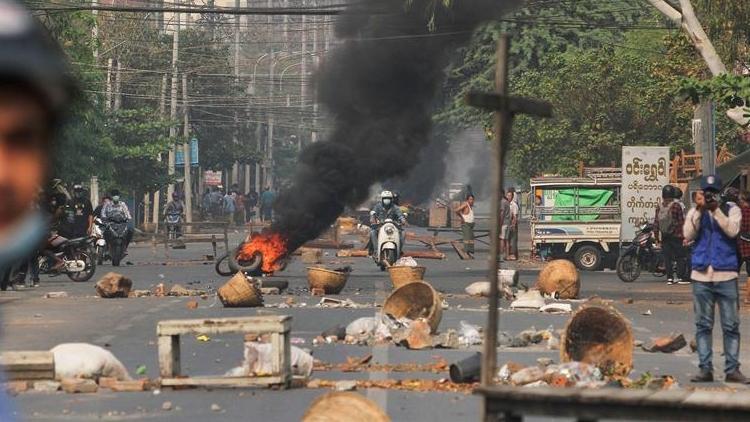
[(566, 198)]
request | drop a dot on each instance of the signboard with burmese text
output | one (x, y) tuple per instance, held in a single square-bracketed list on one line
[(645, 171)]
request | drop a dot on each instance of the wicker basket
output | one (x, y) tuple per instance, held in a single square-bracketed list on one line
[(332, 282), (599, 335), (560, 276), (416, 300), (239, 292), (402, 275), (344, 407)]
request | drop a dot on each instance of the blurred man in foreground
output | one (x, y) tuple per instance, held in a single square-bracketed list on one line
[(35, 90)]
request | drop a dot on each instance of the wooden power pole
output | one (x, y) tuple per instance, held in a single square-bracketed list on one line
[(173, 103), (187, 185), (504, 107)]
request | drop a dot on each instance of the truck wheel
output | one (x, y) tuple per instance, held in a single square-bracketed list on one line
[(588, 258)]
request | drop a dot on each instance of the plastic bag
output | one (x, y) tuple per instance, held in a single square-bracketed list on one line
[(468, 334), (362, 327), (83, 360), (578, 373)]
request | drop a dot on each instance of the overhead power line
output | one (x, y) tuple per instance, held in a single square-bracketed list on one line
[(260, 11)]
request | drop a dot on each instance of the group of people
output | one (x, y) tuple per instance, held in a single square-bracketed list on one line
[(714, 238), (509, 217), (236, 207)]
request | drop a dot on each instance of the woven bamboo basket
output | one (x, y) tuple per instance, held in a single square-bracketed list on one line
[(416, 300), (332, 282), (239, 292), (599, 335), (344, 407), (402, 275), (560, 276)]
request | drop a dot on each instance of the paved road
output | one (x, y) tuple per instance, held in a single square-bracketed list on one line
[(127, 328)]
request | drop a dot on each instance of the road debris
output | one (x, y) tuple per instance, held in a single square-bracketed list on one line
[(215, 407), (113, 285), (466, 370), (647, 312), (559, 278), (167, 405), (55, 295), (79, 385), (482, 289), (345, 385), (414, 301), (598, 334), (46, 386), (329, 302), (258, 361), (469, 334), (240, 291), (82, 360), (418, 335), (326, 281), (557, 308), (530, 299), (667, 344)]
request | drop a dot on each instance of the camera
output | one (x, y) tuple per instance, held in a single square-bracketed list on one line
[(710, 196)]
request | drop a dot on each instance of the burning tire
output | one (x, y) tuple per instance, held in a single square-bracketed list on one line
[(244, 266)]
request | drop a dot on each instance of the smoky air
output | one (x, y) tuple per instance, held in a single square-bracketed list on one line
[(379, 87)]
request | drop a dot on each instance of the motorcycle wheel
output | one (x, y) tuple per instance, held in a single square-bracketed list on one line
[(628, 268), (116, 254), (390, 256), (89, 269)]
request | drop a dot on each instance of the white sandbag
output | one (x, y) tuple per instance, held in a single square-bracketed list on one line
[(362, 327), (406, 261), (531, 299), (482, 288), (259, 357), (83, 360)]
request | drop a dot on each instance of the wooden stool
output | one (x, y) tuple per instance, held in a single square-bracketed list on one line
[(169, 349)]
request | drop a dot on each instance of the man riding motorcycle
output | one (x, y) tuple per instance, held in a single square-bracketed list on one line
[(175, 207), (384, 210), (118, 209)]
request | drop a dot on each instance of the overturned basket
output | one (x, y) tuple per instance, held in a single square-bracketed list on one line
[(240, 292), (402, 275), (332, 282), (416, 300)]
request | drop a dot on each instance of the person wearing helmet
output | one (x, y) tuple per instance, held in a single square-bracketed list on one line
[(384, 210), (175, 207), (714, 228), (117, 209), (668, 223), (79, 214)]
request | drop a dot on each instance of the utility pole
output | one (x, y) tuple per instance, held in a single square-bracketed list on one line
[(303, 77), (188, 187), (173, 103), (704, 136), (95, 30), (235, 140), (270, 111), (108, 106), (118, 80), (316, 64), (504, 107), (162, 114)]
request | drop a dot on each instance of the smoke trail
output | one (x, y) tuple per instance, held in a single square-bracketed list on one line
[(379, 87)]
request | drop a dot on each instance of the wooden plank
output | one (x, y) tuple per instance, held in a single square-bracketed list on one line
[(213, 381), (257, 324), (352, 253), (48, 374), (169, 356), (27, 361), (425, 254), (459, 248)]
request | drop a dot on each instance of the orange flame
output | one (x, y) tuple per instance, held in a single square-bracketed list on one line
[(271, 246)]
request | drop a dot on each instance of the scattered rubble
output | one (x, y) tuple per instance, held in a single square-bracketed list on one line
[(345, 385), (328, 302), (467, 370), (79, 385), (667, 344), (531, 299), (418, 336), (113, 285), (46, 386), (55, 295), (167, 405)]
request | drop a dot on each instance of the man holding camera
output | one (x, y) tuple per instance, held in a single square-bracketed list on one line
[(714, 224)]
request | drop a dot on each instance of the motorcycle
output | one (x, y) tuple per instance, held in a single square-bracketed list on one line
[(100, 244), (174, 225), (642, 253), (116, 232), (388, 249), (78, 260)]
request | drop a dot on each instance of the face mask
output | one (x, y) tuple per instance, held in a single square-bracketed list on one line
[(386, 202), (22, 240), (116, 199)]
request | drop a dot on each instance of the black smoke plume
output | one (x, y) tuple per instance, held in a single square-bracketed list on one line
[(379, 87)]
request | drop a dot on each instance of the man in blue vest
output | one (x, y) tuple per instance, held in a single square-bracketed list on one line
[(714, 225)]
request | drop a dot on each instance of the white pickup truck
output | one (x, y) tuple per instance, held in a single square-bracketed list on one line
[(578, 218)]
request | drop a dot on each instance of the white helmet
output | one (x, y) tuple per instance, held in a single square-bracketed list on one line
[(386, 197)]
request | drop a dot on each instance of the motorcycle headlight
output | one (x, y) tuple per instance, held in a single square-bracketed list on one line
[(389, 230)]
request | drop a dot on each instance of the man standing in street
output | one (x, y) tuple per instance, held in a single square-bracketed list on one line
[(229, 207), (668, 224), (466, 213), (505, 220), (513, 228), (714, 227), (266, 204)]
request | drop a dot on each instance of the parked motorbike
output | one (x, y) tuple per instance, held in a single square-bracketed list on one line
[(116, 232), (388, 249), (174, 225), (642, 253), (79, 263), (100, 243)]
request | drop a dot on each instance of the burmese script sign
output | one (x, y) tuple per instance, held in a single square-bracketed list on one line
[(645, 171)]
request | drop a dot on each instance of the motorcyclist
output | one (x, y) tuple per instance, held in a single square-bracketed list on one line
[(118, 209), (78, 215), (175, 207), (384, 210)]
